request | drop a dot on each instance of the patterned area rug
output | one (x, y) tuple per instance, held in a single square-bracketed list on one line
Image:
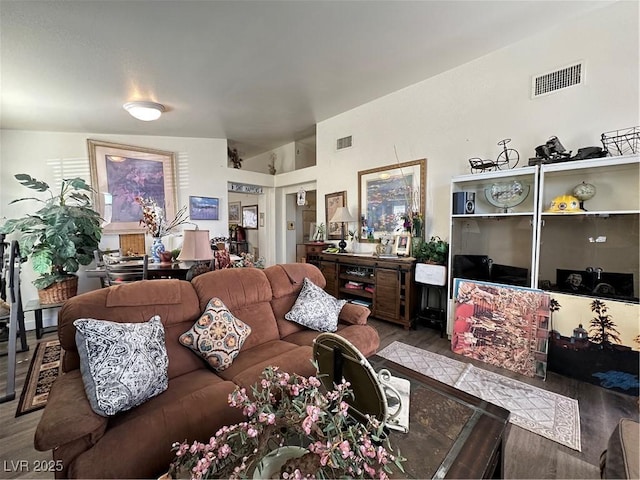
[(45, 367), (545, 413)]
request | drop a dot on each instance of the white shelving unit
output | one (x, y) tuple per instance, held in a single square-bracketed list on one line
[(507, 238), (604, 237)]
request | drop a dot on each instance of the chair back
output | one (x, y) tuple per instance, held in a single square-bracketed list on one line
[(123, 270), (199, 269)]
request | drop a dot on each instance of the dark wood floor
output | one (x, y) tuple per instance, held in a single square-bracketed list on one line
[(527, 455)]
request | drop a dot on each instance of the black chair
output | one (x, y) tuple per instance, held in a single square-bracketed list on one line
[(119, 270)]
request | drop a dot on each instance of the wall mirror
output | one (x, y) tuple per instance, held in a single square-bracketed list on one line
[(385, 194)]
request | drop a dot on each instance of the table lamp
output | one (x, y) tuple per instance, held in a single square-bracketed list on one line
[(343, 216), (195, 246)]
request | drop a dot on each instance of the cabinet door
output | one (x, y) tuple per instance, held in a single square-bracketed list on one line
[(387, 296), (330, 272)]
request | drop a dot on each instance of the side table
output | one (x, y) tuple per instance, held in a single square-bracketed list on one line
[(434, 280), (35, 307)]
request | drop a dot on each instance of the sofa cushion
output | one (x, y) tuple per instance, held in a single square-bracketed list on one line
[(620, 459), (122, 364), (217, 336), (136, 302), (247, 294), (364, 337), (315, 308), (138, 442)]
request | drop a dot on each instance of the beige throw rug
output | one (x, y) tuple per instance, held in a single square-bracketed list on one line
[(545, 413)]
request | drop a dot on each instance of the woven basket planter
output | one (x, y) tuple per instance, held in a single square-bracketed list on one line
[(59, 291)]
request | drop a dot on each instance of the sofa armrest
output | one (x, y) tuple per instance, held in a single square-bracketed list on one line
[(352, 314), (68, 415)]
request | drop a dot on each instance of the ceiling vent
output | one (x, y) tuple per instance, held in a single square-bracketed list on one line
[(557, 80), (344, 142)]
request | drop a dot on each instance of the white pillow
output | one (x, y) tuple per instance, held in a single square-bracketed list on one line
[(315, 308), (122, 364)]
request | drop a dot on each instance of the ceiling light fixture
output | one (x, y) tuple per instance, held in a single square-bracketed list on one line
[(145, 111)]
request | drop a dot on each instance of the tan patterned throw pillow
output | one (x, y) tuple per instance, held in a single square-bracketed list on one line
[(217, 336)]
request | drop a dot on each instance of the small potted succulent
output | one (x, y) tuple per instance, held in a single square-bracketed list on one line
[(59, 237)]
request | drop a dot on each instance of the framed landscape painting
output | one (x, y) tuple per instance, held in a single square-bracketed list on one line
[(122, 173), (203, 208)]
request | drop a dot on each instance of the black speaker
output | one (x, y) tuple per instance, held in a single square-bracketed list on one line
[(464, 203)]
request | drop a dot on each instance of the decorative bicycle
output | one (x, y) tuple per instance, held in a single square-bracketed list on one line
[(508, 158)]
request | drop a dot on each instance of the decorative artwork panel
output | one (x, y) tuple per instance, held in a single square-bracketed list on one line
[(502, 325)]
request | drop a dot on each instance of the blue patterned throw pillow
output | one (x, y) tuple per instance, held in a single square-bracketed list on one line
[(315, 308), (122, 364), (217, 336)]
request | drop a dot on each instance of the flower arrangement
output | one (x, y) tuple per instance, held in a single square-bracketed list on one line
[(153, 218), (248, 260), (284, 409)]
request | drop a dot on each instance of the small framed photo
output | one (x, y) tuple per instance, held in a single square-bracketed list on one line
[(234, 212), (203, 208), (250, 217), (403, 244)]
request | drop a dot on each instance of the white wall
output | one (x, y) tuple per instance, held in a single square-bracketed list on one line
[(201, 170), (464, 112), (285, 160)]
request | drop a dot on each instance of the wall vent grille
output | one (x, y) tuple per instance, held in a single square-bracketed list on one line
[(344, 142), (557, 80)]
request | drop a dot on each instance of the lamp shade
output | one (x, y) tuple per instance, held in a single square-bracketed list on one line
[(145, 111), (195, 246), (342, 215)]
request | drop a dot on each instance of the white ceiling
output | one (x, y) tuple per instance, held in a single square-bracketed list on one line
[(260, 73)]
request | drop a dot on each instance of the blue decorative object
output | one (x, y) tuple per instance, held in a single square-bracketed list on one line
[(613, 379), (156, 249)]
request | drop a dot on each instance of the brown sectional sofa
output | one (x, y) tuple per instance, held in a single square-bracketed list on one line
[(137, 443)]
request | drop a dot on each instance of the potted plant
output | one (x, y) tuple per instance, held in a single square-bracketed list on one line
[(59, 237), (432, 259), (284, 410)]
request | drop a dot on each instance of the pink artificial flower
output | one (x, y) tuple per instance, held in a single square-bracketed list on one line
[(249, 410), (252, 432), (382, 455), (344, 406), (313, 412), (371, 471), (224, 451), (314, 382), (345, 449)]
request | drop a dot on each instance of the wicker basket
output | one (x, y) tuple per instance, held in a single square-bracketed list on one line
[(59, 291)]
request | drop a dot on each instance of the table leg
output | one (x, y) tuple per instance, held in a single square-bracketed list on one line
[(38, 314)]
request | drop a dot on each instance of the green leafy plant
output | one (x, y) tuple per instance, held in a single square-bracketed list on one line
[(61, 235), (435, 251)]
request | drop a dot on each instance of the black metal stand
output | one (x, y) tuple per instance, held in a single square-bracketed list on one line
[(16, 323), (434, 314)]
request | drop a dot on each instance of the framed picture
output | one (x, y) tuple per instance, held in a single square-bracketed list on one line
[(403, 244), (203, 208), (250, 217), (331, 203), (387, 194), (120, 174), (235, 212)]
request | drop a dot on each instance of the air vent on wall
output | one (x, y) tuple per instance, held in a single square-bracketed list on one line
[(344, 142), (557, 80)]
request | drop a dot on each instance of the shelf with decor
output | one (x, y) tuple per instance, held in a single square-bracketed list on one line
[(596, 240), (492, 228)]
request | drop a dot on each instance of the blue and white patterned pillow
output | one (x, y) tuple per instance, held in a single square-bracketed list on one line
[(315, 308), (122, 364), (217, 336)]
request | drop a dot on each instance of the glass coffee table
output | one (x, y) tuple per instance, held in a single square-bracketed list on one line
[(451, 434)]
